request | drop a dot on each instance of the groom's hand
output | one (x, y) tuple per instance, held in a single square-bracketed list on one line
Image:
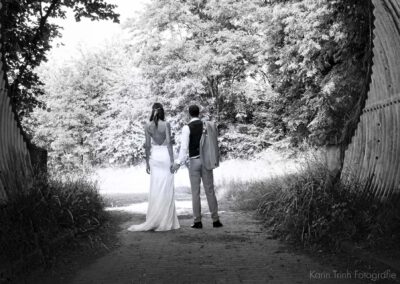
[(148, 168), (176, 167)]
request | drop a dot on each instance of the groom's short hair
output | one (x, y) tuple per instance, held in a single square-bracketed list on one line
[(194, 111)]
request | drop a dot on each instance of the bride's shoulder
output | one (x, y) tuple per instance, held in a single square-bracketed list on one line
[(148, 125)]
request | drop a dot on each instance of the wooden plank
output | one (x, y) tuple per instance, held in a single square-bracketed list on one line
[(15, 169)]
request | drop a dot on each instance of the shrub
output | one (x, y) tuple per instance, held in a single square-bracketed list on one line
[(50, 209), (242, 141), (305, 209), (247, 195)]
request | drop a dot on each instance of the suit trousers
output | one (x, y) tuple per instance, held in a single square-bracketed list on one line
[(198, 173)]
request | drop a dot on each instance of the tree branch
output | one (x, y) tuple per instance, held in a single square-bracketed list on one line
[(35, 40)]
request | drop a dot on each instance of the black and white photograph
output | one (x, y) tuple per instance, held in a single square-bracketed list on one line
[(199, 141)]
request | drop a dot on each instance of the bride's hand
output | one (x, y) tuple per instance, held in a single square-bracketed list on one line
[(148, 168), (174, 168)]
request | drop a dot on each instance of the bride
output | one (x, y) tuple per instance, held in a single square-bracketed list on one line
[(161, 212)]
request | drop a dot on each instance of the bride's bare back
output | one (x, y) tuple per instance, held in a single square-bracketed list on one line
[(158, 135)]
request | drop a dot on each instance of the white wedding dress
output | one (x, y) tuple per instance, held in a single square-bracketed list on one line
[(161, 212)]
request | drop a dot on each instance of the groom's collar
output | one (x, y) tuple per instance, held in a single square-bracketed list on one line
[(193, 119)]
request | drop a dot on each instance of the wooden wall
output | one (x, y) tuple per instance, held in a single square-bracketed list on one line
[(374, 154), (15, 164)]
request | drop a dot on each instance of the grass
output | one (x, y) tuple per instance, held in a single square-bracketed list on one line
[(50, 209), (303, 208)]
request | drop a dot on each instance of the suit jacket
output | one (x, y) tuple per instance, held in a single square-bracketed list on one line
[(209, 150)]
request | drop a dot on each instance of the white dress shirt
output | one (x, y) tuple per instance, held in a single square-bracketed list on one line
[(183, 152)]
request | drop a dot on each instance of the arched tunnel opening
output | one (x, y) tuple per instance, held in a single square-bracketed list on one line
[(368, 152), (370, 139)]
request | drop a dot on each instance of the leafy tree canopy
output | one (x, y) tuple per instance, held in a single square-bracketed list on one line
[(95, 109), (200, 50), (265, 70), (317, 62), (27, 36)]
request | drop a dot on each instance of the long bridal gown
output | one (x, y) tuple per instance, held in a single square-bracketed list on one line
[(161, 212)]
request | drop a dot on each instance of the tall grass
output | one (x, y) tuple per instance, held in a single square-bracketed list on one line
[(33, 220), (302, 207)]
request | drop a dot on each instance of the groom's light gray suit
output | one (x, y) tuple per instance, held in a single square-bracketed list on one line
[(199, 168)]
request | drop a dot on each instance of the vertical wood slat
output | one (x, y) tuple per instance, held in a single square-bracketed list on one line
[(384, 149), (390, 151), (15, 168), (3, 166), (375, 149), (378, 182), (3, 195)]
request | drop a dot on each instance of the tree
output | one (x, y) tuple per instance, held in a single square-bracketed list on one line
[(265, 70), (96, 106), (317, 62), (200, 50), (119, 135), (208, 53), (27, 35)]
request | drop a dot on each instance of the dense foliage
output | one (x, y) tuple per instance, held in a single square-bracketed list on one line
[(95, 110), (317, 62), (27, 33), (264, 70), (305, 209), (50, 210), (208, 53)]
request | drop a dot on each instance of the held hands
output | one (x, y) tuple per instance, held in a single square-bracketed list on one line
[(174, 168)]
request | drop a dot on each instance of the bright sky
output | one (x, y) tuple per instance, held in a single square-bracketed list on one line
[(86, 34)]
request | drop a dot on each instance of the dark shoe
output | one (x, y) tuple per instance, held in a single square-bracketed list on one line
[(197, 225), (217, 224)]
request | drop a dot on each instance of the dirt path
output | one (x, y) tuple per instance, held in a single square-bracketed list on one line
[(240, 252)]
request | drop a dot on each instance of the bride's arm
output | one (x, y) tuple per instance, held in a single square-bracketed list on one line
[(169, 143), (147, 147)]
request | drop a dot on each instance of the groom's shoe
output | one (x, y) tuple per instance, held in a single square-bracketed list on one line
[(217, 224), (197, 225)]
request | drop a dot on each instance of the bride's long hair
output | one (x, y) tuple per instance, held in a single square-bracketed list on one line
[(157, 113)]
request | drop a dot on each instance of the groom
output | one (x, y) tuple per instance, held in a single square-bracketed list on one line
[(190, 142)]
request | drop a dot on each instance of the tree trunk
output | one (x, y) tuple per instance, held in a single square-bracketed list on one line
[(335, 154), (213, 88)]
